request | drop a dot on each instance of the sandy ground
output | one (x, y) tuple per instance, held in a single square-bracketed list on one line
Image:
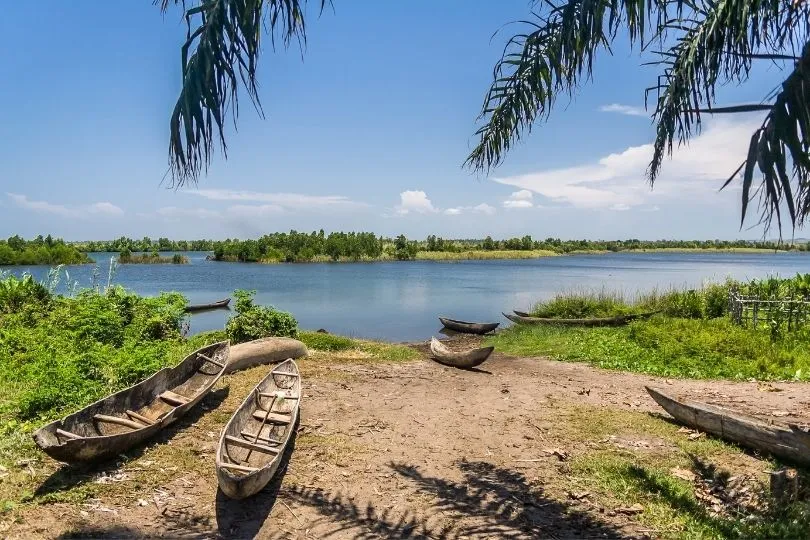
[(411, 449)]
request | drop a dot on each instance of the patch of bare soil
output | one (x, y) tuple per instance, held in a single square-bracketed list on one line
[(411, 449)]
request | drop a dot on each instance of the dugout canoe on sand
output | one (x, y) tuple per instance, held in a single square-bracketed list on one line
[(253, 442), (465, 360), (788, 442), (264, 351), (122, 420), (521, 317)]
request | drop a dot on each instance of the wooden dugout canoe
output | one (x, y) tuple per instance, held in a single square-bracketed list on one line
[(468, 327), (122, 420), (521, 317), (466, 360), (268, 350), (253, 442), (219, 304), (788, 442)]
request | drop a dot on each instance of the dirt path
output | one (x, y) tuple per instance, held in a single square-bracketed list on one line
[(394, 450)]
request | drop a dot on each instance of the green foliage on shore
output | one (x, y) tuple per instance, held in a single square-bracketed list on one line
[(127, 257), (693, 336), (61, 353), (17, 251), (255, 322)]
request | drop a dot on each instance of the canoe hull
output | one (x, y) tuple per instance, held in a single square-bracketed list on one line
[(240, 486), (521, 317), (464, 360), (264, 351), (220, 304), (93, 445), (787, 442), (468, 327)]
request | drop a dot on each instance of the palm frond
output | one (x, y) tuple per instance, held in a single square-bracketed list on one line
[(552, 57), (222, 48)]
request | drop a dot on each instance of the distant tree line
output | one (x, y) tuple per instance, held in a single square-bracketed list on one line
[(301, 247), (16, 250), (144, 245)]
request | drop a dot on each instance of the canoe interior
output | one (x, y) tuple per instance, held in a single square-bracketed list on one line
[(189, 379), (463, 359), (247, 422)]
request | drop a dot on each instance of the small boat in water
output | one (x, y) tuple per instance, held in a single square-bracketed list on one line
[(465, 360), (219, 304), (521, 317), (787, 442), (122, 420), (253, 442), (468, 327)]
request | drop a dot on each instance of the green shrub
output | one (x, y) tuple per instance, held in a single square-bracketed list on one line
[(255, 322)]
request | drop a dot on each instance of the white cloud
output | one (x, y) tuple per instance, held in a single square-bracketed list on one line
[(414, 201), (297, 201), (617, 181), (519, 199), (105, 208), (628, 110), (482, 208)]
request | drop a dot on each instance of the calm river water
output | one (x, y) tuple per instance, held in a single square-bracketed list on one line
[(400, 301)]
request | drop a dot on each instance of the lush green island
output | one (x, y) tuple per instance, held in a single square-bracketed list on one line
[(318, 246), (127, 257), (17, 251)]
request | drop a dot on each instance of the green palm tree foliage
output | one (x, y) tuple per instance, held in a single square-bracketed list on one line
[(699, 45)]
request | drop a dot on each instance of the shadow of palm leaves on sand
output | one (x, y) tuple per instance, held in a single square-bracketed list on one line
[(489, 501)]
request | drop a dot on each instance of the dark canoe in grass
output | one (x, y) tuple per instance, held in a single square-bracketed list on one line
[(521, 317), (788, 442), (253, 442), (219, 304), (466, 360), (468, 327), (122, 420)]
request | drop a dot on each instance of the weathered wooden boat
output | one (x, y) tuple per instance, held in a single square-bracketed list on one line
[(122, 420), (466, 360), (521, 317), (219, 304), (269, 350), (468, 327), (253, 442), (788, 442)]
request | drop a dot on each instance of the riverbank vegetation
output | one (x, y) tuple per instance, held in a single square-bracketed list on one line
[(318, 246), (18, 251), (692, 336), (127, 257)]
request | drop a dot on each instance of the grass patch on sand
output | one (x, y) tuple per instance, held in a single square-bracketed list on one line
[(670, 347), (676, 486), (340, 348)]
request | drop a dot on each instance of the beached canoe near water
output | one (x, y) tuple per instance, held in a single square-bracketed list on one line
[(268, 350), (219, 304), (465, 360), (122, 420), (521, 317), (468, 327), (788, 442), (252, 444)]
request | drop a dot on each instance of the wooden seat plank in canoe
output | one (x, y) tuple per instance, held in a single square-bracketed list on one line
[(236, 467), (120, 421), (208, 359), (273, 418), (275, 394), (139, 417), (67, 434), (173, 398), (236, 441), (251, 435)]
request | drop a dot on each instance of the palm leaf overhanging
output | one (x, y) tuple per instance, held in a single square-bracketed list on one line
[(713, 42), (222, 48)]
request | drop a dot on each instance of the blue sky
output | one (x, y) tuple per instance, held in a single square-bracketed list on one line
[(367, 132)]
